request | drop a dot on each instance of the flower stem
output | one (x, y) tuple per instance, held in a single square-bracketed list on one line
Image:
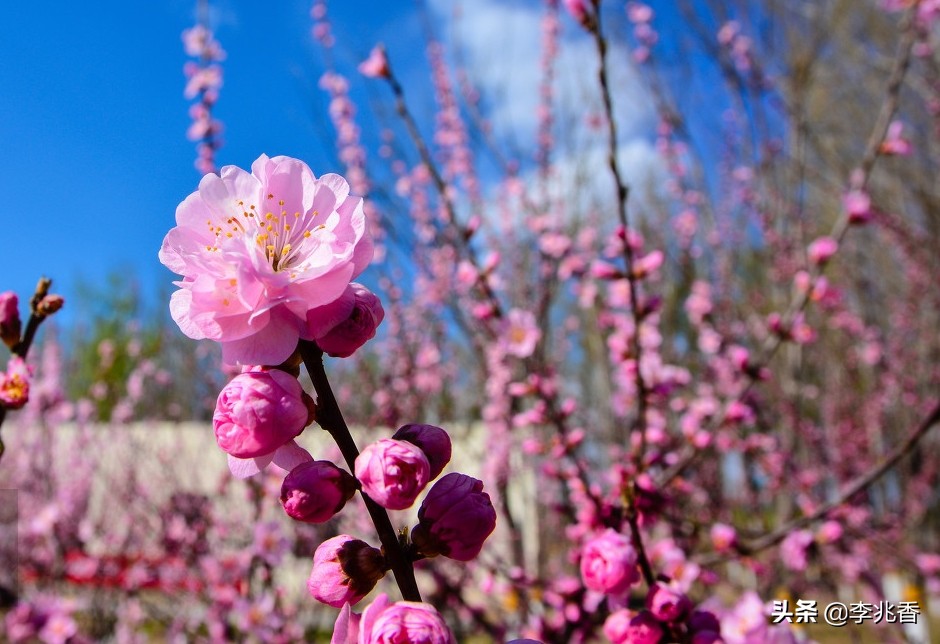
[(330, 418)]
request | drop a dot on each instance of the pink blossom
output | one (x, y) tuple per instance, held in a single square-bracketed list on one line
[(624, 627), (433, 441), (358, 328), (637, 12), (609, 563), (14, 383), (346, 628), (793, 549), (266, 258), (258, 412), (520, 333), (723, 536), (455, 518), (10, 325), (315, 491), (667, 603), (821, 250), (857, 204), (376, 65), (345, 570), (393, 473), (403, 623), (895, 143)]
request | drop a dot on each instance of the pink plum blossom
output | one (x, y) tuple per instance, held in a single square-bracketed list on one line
[(403, 622), (895, 143), (609, 563), (455, 518), (14, 384), (666, 603), (266, 258), (857, 204), (376, 65), (258, 412), (822, 249), (520, 333), (393, 473), (624, 627), (358, 328), (345, 570), (315, 491)]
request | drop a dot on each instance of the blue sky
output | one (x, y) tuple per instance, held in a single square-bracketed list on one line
[(93, 118), (93, 121)]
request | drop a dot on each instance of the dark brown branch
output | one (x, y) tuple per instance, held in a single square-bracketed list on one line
[(330, 418)]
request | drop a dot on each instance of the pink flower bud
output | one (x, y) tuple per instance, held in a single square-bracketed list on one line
[(580, 11), (455, 518), (316, 490), (666, 603), (344, 571), (50, 304), (258, 412), (433, 441), (857, 204), (393, 473), (14, 384), (624, 628), (821, 250), (10, 325), (347, 336), (376, 65), (403, 623), (609, 563)]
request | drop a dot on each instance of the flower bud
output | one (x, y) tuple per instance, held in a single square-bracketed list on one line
[(455, 518), (821, 250), (403, 622), (50, 304), (609, 563), (666, 603), (433, 441), (316, 490), (343, 339), (14, 384), (258, 412), (393, 473), (376, 65), (10, 325), (344, 571)]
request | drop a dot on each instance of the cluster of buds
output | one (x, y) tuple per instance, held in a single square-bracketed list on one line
[(14, 381), (454, 520), (261, 412)]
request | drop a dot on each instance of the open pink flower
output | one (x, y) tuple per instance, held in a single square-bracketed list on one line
[(520, 333), (266, 258), (14, 384)]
